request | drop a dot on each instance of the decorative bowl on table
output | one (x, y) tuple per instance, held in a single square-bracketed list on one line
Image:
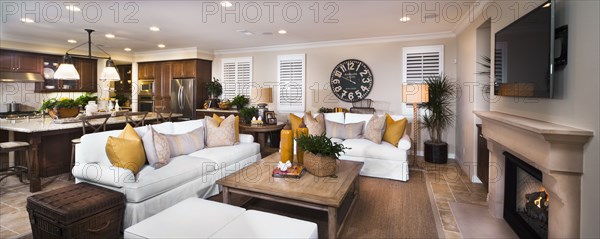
[(224, 105), (63, 112)]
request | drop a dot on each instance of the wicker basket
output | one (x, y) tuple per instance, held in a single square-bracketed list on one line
[(63, 112), (318, 165)]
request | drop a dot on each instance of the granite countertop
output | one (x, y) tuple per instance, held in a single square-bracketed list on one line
[(47, 124), (216, 110)]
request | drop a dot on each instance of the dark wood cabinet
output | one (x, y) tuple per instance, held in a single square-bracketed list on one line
[(165, 82), (483, 158), (124, 85), (88, 76), (184, 69), (147, 70), (20, 62)]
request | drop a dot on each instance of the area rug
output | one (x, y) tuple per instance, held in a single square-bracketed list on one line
[(384, 209)]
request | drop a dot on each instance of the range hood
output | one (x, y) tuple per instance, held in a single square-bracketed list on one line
[(20, 77)]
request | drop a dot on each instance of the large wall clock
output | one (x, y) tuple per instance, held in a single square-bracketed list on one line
[(351, 80)]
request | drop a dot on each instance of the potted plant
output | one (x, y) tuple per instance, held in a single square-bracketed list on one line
[(62, 108), (320, 154), (438, 116), (240, 101), (214, 89), (83, 99), (246, 114)]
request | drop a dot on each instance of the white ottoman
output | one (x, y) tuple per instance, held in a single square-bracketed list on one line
[(191, 218), (199, 218), (256, 224)]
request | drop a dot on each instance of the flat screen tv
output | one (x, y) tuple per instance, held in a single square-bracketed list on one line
[(524, 60)]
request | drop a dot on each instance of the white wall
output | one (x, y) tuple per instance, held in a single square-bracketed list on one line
[(578, 92), (384, 59)]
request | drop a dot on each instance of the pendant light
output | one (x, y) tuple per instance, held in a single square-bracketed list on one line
[(66, 70)]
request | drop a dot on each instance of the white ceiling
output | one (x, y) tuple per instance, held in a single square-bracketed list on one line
[(189, 24)]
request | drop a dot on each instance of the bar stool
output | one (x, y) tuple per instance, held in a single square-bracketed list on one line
[(135, 123), (163, 116), (85, 121), (21, 148)]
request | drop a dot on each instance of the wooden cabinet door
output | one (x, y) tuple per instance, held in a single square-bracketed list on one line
[(6, 61), (87, 69), (147, 70), (28, 63), (165, 81), (184, 69)]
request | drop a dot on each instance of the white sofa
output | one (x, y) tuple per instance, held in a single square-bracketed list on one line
[(380, 160), (154, 190)]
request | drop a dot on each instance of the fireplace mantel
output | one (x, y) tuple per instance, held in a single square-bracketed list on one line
[(554, 149)]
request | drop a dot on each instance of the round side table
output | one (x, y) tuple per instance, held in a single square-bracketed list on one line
[(261, 132)]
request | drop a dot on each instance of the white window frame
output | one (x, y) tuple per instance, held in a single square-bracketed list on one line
[(284, 107), (238, 85), (407, 109)]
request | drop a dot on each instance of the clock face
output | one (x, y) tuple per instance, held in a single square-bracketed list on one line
[(351, 80)]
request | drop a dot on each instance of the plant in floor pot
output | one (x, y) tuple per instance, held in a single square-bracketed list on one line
[(320, 154), (214, 89), (439, 115)]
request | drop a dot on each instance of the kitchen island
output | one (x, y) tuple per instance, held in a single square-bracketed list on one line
[(51, 142)]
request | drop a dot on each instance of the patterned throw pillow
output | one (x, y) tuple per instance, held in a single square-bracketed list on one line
[(180, 144), (126, 150), (237, 125), (157, 148), (316, 126), (220, 135), (375, 129), (344, 131)]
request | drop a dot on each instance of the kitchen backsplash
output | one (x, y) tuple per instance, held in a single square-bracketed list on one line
[(24, 94)]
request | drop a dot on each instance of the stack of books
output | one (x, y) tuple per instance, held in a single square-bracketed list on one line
[(295, 171)]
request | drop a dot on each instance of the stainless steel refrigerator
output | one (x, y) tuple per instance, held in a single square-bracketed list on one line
[(183, 98)]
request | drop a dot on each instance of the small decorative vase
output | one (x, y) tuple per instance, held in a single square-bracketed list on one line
[(287, 144)]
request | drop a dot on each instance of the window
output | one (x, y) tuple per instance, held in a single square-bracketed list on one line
[(290, 78), (419, 63), (236, 75)]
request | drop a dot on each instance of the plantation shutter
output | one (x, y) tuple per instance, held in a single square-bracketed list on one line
[(236, 74), (419, 63), (290, 76)]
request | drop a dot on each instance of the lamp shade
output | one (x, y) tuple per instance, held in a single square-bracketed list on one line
[(415, 93), (110, 72), (262, 95), (66, 70)]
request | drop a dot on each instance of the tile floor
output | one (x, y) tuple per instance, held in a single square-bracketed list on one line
[(448, 183)]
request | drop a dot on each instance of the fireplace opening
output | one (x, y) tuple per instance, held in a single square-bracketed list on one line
[(526, 201)]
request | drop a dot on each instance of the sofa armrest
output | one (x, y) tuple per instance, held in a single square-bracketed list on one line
[(103, 174), (246, 138), (405, 143)]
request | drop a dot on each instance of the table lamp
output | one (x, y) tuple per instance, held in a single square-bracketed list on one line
[(415, 94), (261, 97)]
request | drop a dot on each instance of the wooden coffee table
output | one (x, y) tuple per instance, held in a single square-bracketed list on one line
[(309, 191)]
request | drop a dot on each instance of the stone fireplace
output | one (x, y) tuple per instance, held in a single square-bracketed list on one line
[(555, 150)]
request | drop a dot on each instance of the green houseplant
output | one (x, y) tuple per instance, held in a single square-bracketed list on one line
[(240, 101), (320, 154), (247, 113), (214, 88), (60, 108), (439, 115)]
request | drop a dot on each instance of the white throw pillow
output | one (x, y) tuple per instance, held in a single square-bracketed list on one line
[(156, 148), (220, 134), (182, 144)]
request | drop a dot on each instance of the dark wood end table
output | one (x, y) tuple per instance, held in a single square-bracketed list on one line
[(260, 132)]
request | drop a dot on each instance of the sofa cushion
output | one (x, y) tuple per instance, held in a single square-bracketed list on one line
[(156, 147), (375, 128), (316, 125), (126, 150), (257, 224), (180, 170), (367, 149), (180, 144), (185, 126), (228, 155), (394, 130), (295, 121), (344, 131), (220, 134), (355, 118), (236, 125)]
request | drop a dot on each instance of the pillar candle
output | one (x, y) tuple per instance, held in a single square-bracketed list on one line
[(302, 130), (287, 144)]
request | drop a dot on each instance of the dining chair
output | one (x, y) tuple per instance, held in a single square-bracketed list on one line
[(23, 149), (86, 123), (163, 116), (135, 122)]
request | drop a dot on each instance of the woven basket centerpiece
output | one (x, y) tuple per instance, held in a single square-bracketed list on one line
[(319, 165), (63, 112)]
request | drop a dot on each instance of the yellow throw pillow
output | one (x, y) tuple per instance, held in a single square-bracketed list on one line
[(236, 125), (126, 150), (394, 130), (295, 121)]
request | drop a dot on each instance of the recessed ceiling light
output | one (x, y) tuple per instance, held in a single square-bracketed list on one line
[(226, 4), (27, 20), (282, 31), (547, 4), (248, 33), (405, 19), (127, 49), (73, 8), (161, 46), (71, 41), (154, 29), (111, 36)]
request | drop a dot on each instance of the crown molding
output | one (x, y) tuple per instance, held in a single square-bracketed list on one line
[(466, 21), (172, 54), (358, 41)]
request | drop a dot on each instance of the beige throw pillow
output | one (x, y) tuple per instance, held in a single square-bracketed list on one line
[(375, 129), (180, 144), (316, 126), (344, 131), (157, 148), (220, 135)]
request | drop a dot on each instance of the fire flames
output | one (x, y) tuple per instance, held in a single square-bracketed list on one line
[(538, 202)]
